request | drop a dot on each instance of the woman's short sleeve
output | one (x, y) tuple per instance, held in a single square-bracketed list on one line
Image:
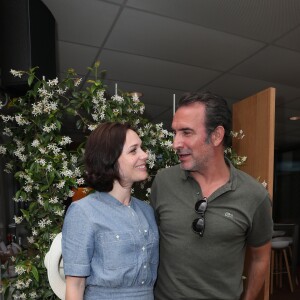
[(77, 242)]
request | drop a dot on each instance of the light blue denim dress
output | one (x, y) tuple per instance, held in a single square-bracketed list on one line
[(113, 245)]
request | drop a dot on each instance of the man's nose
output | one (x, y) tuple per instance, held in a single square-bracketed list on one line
[(177, 142)]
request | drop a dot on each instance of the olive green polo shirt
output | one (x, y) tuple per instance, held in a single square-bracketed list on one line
[(208, 267)]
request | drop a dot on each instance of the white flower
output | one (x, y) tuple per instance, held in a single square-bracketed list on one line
[(49, 167), (28, 188), (53, 200), (18, 220), (117, 98), (41, 161), (23, 296), (37, 108), (2, 149), (8, 168), (153, 142), (264, 183), (40, 201), (53, 82), (49, 128), (61, 184), (116, 111), (77, 81), (141, 132), (20, 120), (59, 212), (35, 143), (102, 116), (95, 117), (56, 150), (168, 144), (7, 131), (92, 127), (67, 173), (19, 284), (74, 159), (6, 118), (65, 140), (20, 199), (60, 91), (16, 73), (20, 270), (80, 181), (30, 239), (135, 98), (43, 150), (52, 236), (42, 223), (33, 295), (159, 126)]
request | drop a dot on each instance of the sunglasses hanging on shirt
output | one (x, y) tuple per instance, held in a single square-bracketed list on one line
[(198, 224)]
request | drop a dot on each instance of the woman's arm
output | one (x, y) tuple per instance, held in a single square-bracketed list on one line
[(75, 288)]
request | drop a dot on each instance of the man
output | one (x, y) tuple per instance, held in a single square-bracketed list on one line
[(208, 211)]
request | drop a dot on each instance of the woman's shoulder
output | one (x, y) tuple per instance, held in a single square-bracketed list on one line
[(83, 204), (144, 205)]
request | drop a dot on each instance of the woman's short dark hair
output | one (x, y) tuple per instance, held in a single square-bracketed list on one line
[(103, 148), (217, 112)]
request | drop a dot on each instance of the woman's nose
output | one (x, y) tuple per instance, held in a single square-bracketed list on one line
[(144, 155)]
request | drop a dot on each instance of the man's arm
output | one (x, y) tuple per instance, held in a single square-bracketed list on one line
[(258, 269)]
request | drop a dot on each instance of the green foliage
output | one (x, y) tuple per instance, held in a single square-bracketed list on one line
[(47, 164)]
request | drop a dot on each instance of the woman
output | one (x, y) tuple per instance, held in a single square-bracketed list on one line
[(110, 239)]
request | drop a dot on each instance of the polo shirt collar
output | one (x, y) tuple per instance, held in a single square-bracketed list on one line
[(232, 183)]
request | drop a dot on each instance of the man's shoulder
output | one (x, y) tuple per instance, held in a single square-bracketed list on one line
[(170, 171), (251, 183)]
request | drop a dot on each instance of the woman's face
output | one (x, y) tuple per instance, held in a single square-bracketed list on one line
[(132, 161)]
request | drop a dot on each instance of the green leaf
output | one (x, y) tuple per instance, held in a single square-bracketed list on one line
[(47, 294), (44, 188), (35, 273), (26, 214), (32, 206), (30, 79)]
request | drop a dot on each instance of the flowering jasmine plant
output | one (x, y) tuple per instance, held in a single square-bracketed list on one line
[(47, 163)]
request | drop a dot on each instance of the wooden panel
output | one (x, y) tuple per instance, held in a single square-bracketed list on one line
[(255, 115)]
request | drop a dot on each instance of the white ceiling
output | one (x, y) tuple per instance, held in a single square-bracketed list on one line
[(160, 47)]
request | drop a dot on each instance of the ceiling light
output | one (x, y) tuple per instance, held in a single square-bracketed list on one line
[(136, 94), (295, 118)]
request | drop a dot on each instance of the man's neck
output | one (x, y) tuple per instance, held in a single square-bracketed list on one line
[(212, 178)]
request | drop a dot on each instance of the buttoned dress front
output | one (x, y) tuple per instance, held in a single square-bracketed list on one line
[(113, 245)]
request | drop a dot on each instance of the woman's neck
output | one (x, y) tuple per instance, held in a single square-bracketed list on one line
[(121, 193)]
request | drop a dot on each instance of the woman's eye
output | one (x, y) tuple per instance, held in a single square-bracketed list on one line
[(133, 151)]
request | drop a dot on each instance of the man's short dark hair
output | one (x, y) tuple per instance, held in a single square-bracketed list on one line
[(217, 112)]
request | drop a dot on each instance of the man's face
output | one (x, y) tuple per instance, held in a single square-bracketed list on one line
[(190, 140)]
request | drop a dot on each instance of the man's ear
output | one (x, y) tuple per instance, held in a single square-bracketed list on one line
[(217, 136)]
